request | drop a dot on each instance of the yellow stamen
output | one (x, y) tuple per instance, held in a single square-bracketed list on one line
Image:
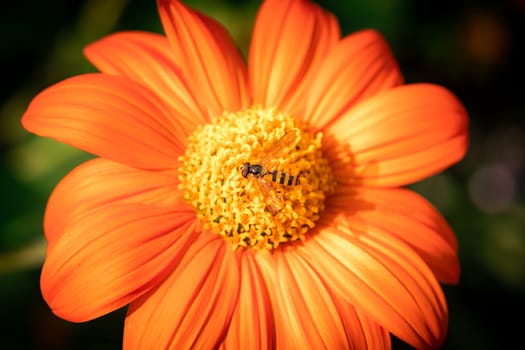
[(236, 207)]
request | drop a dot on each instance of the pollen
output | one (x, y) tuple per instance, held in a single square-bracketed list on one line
[(256, 177)]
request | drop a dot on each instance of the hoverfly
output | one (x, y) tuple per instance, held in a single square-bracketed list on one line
[(265, 174)]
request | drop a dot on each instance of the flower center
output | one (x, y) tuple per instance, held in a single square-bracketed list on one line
[(256, 177)]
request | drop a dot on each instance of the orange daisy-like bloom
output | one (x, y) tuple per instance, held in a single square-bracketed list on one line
[(212, 252)]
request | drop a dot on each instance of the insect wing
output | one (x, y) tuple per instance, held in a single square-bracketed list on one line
[(271, 197), (279, 148)]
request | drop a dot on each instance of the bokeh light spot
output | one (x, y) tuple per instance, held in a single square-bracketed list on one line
[(492, 188)]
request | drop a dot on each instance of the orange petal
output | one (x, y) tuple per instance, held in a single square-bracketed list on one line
[(108, 257), (363, 333), (149, 59), (252, 322), (193, 307), (358, 67), (360, 332), (207, 57), (307, 313), (401, 135), (109, 116), (100, 182), (290, 39), (382, 277), (404, 215)]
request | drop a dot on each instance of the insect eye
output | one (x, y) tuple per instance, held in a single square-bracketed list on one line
[(245, 169)]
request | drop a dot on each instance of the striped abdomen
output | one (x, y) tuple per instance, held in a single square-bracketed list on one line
[(283, 178)]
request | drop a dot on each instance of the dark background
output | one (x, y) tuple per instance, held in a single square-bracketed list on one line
[(475, 48)]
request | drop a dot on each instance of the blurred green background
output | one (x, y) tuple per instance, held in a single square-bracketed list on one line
[(475, 48)]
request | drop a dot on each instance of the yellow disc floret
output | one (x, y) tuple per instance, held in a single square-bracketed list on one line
[(256, 177)]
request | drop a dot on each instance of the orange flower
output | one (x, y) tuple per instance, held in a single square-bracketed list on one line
[(211, 252)]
